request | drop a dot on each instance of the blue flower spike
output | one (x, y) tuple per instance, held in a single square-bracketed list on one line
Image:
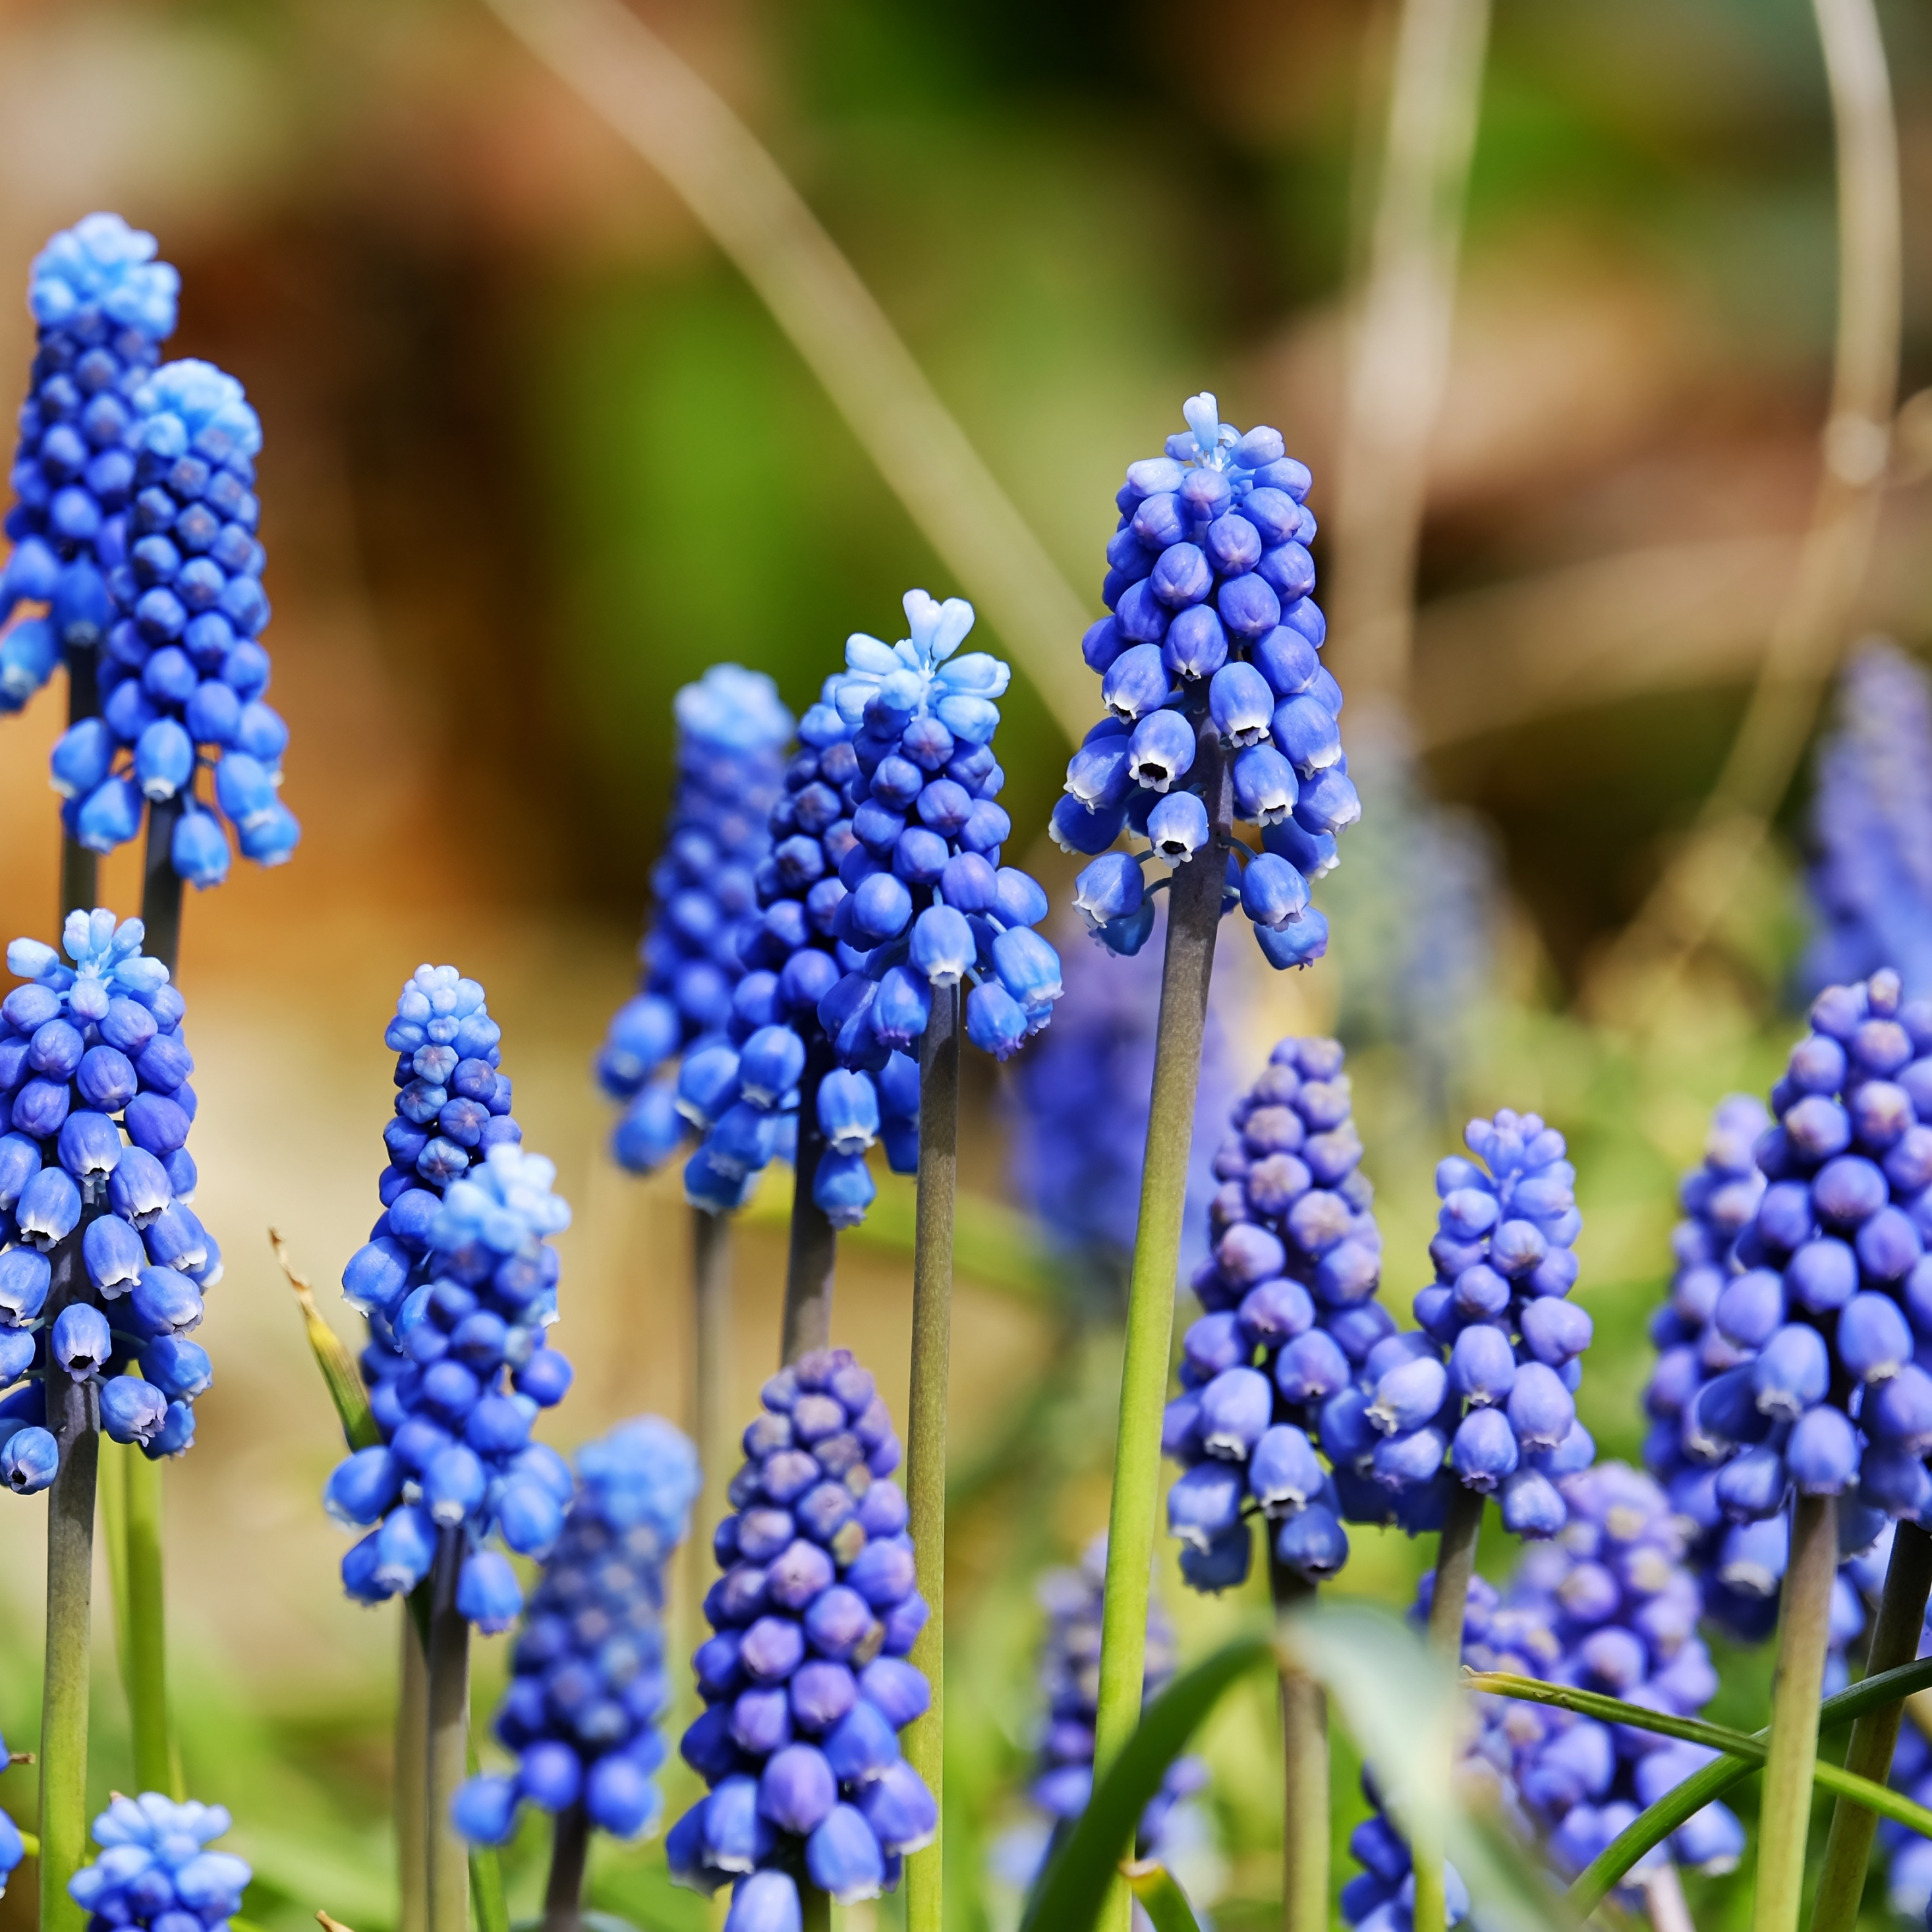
[(588, 1686), (155, 1869), (732, 731), (1293, 1342), (884, 881), (95, 1097), (805, 1680), (1213, 628), (102, 306), (458, 1281)]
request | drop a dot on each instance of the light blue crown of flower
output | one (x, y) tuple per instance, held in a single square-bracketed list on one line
[(645, 1471), (730, 709), (100, 949), (172, 1831), (432, 1005), (507, 1204), (187, 401), (919, 674), (102, 263)]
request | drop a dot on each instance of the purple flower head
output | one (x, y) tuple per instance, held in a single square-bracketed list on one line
[(1213, 637), (732, 730), (805, 1680)]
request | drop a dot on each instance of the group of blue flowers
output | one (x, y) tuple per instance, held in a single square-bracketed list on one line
[(95, 1100), (458, 1281), (134, 526)]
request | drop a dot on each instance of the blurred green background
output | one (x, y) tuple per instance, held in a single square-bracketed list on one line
[(536, 455)]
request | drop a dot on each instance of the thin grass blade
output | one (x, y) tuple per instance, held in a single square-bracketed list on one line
[(338, 1370)]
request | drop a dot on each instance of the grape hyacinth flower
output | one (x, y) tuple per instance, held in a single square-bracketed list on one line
[(1908, 1880), (805, 1682), (155, 1869), (1070, 1682), (183, 671), (102, 306), (94, 1091), (1292, 1326), (1213, 630), (458, 1281), (1870, 878), (588, 1686), (732, 730)]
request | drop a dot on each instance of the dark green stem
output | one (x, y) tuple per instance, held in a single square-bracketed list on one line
[(1895, 1634), (447, 1758), (1449, 1599), (814, 1242), (926, 1437), (1193, 918), (410, 1773), (161, 885), (74, 1417), (570, 1845), (80, 869), (1304, 1757), (1803, 1636)]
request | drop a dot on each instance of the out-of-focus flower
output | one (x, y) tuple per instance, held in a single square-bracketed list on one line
[(155, 1869)]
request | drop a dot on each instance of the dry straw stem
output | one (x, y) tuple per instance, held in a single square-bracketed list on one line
[(1697, 887), (1400, 361), (687, 132)]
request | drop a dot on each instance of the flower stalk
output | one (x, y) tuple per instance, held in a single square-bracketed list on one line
[(814, 1242), (1803, 1637), (925, 1438), (447, 1755), (711, 1311), (1894, 1641), (412, 1756), (1187, 966), (570, 1846), (1304, 1747), (1448, 1602), (72, 1416), (80, 868)]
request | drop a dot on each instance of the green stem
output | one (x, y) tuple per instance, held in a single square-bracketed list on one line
[(818, 1909), (147, 1663), (409, 1774), (570, 1845), (1193, 916), (925, 1434), (73, 1418), (161, 885), (1304, 1757), (711, 1324), (1895, 1634), (1448, 1601), (79, 868), (1805, 1634), (446, 1759), (815, 1241)]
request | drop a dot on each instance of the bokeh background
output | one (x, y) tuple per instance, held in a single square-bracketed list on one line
[(535, 454)]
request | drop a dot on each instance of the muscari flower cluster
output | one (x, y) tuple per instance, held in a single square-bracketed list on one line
[(155, 1870), (458, 1280), (1609, 1606), (884, 882), (1829, 1296), (1213, 630), (805, 1683), (103, 305), (1070, 1680), (1498, 1415), (732, 730), (95, 1102), (1292, 1325), (182, 670), (588, 1683), (12, 1848), (1871, 880)]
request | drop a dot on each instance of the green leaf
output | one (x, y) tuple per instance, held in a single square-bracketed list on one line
[(1651, 1827), (1161, 1899), (1076, 1882), (338, 1371)]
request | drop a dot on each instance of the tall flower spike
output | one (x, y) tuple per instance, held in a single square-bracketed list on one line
[(103, 305), (1069, 1683), (732, 729), (183, 671), (94, 1088), (458, 1280), (588, 1686), (1870, 878), (1212, 627), (1280, 1363), (155, 1869), (805, 1683)]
